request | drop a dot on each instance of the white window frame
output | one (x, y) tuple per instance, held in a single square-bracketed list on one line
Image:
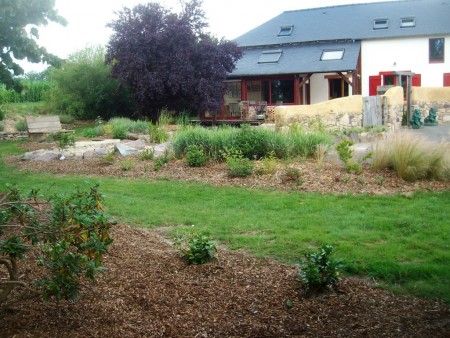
[(270, 56), (332, 54), (407, 22), (380, 24)]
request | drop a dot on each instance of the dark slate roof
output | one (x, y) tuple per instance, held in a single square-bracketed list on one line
[(298, 59), (432, 17)]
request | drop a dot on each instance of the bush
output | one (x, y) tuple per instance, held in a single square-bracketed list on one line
[(157, 133), (346, 155), (318, 270), (66, 118), (413, 157), (126, 165), (147, 155), (21, 125), (267, 165), (237, 164), (64, 140), (195, 156), (196, 248), (161, 161), (68, 240), (2, 127), (2, 114)]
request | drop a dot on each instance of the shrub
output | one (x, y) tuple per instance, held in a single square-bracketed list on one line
[(119, 132), (21, 125), (196, 248), (63, 140), (126, 165), (413, 158), (109, 158), (346, 154), (267, 165), (161, 161), (2, 114), (2, 127), (195, 156), (66, 118), (292, 174), (237, 164), (89, 133), (318, 270), (147, 155), (68, 240)]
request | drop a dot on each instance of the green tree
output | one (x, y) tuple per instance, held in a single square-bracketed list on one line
[(84, 88), (19, 20)]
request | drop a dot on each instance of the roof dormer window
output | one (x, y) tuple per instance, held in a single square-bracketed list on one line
[(408, 22), (380, 24), (270, 56), (285, 31)]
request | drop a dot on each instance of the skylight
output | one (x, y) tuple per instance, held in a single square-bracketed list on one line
[(408, 22), (332, 54), (270, 56), (285, 31), (380, 24)]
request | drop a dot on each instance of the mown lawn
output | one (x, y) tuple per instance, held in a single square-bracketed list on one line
[(400, 241)]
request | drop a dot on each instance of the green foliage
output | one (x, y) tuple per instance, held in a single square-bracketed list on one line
[(147, 155), (119, 132), (65, 118), (2, 127), (318, 270), (346, 154), (68, 240), (254, 143), (64, 140), (292, 174), (196, 248), (84, 88), (237, 164), (18, 29), (161, 160), (413, 158), (267, 165), (126, 165), (2, 114), (195, 156), (157, 133), (109, 158), (21, 125), (89, 133)]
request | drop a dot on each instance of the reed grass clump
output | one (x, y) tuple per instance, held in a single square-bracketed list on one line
[(413, 158)]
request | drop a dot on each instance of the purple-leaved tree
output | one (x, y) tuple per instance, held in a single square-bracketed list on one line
[(167, 60)]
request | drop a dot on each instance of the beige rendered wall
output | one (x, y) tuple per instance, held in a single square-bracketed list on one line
[(341, 113), (438, 97)]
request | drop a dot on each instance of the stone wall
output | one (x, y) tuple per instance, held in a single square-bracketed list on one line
[(13, 136), (341, 113), (345, 112), (426, 97)]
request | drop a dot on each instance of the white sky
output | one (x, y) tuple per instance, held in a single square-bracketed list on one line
[(87, 20)]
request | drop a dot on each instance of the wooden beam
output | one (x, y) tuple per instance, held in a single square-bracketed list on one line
[(305, 79), (345, 79)]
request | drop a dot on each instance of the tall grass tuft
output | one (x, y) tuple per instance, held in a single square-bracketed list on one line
[(413, 157), (2, 127)]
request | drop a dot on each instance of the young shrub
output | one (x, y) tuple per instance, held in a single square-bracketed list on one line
[(126, 165), (161, 161), (318, 270), (21, 125), (148, 154), (119, 132), (109, 158), (64, 140), (196, 248), (89, 133), (267, 165), (346, 154), (237, 164), (292, 174), (195, 156)]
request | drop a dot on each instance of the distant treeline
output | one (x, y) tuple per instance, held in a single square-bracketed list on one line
[(32, 91)]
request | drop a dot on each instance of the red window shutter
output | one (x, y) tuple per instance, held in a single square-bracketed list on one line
[(446, 79), (416, 80), (374, 82)]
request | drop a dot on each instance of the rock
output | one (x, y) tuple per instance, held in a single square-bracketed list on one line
[(131, 148), (95, 153), (160, 148), (138, 144), (40, 155)]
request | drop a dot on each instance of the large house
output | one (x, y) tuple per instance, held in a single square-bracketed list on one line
[(313, 55)]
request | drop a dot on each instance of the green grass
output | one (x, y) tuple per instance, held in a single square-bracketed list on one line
[(25, 108), (398, 240)]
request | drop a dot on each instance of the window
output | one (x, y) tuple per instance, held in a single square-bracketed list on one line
[(285, 31), (408, 22), (271, 56), (380, 24), (337, 88), (436, 50), (336, 54)]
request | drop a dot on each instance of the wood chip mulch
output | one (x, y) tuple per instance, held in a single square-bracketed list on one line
[(150, 291)]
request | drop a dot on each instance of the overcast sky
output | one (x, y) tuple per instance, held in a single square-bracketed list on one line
[(87, 19)]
